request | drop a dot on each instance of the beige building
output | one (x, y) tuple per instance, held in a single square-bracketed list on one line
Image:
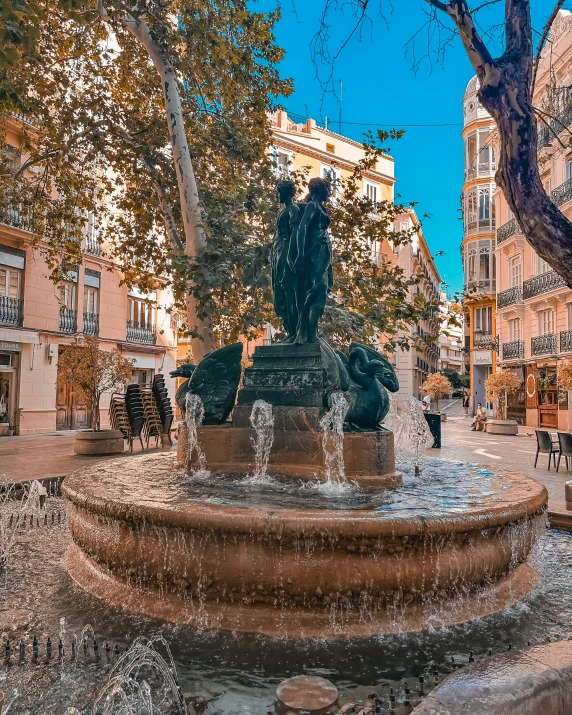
[(478, 245), (451, 337), (415, 365), (534, 306), (38, 319)]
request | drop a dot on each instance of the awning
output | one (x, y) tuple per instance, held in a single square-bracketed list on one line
[(139, 348), (19, 336)]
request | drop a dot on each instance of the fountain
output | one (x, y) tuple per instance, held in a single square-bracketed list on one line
[(284, 555)]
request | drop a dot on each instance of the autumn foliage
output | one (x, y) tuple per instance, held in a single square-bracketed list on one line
[(437, 385), (498, 386)]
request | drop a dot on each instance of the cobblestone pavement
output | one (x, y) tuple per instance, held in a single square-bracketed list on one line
[(515, 453), (48, 455)]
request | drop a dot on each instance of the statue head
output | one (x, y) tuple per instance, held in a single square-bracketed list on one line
[(286, 190), (319, 189)]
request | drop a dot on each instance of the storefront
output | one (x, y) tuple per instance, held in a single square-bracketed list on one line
[(482, 368), (10, 354)]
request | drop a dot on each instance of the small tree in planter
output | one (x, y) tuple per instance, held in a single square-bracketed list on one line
[(93, 371), (498, 387), (437, 385)]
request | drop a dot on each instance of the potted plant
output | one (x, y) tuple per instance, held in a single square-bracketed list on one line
[(498, 387), (13, 419), (437, 385), (92, 371)]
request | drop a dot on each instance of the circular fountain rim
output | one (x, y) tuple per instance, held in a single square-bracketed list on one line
[(196, 514)]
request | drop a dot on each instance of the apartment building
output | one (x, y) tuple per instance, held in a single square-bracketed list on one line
[(534, 306), (415, 365), (478, 245), (451, 337), (38, 319)]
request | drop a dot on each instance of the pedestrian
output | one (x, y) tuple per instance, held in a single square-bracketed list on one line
[(426, 400), (481, 416), (466, 402)]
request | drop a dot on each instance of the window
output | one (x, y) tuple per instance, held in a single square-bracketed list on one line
[(515, 271), (484, 320), (486, 153), (141, 313), (568, 169), (372, 191), (471, 152), (91, 301), (472, 265), (10, 281), (569, 315), (484, 207), (547, 185), (484, 264), (68, 295), (514, 330), (333, 176), (541, 266), (545, 322), (282, 162), (471, 210)]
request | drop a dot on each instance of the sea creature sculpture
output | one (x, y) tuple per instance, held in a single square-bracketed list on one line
[(215, 380), (367, 373)]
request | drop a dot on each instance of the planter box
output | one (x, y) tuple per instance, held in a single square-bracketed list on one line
[(502, 427), (108, 441)]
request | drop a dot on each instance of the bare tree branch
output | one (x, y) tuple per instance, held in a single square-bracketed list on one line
[(542, 41)]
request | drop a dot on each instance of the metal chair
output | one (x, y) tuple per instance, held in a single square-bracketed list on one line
[(546, 445), (565, 442)]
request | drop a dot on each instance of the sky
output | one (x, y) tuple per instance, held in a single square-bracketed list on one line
[(380, 87)]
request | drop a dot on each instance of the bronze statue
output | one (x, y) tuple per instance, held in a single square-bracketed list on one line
[(311, 260), (283, 247)]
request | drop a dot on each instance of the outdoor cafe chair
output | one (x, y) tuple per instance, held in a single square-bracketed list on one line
[(546, 445), (565, 442)]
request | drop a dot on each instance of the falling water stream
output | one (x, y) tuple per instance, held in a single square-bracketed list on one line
[(194, 414), (262, 420), (332, 426)]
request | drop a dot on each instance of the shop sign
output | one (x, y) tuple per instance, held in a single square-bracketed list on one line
[(10, 347), (482, 357)]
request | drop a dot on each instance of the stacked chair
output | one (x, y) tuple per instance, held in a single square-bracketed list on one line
[(119, 418), (153, 426), (163, 405), (135, 412)]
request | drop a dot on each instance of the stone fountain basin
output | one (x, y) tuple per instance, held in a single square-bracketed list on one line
[(141, 543)]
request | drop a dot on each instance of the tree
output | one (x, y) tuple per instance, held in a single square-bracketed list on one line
[(454, 377), (506, 90), (498, 386), (565, 374), (84, 366), (437, 386), (136, 111)]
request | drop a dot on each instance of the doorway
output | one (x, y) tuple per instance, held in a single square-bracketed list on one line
[(71, 408)]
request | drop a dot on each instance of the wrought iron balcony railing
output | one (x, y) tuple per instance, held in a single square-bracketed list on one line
[(543, 344), (91, 323), (508, 229), (91, 245), (513, 350), (18, 217), (543, 283), (11, 311), (566, 341), (141, 332), (68, 320), (563, 193), (511, 296), (483, 340)]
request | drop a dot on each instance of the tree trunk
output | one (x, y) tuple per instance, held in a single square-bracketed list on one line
[(195, 240)]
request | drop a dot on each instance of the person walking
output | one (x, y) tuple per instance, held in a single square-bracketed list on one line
[(466, 402), (481, 416), (426, 401)]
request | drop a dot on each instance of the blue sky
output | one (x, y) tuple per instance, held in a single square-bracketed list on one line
[(380, 87)]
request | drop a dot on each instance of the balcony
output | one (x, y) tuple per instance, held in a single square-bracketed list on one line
[(140, 333), (91, 323), (543, 283), (565, 341), (508, 229), (18, 217), (11, 311), (543, 344), (484, 341), (91, 245), (563, 193), (511, 296), (513, 350), (68, 320)]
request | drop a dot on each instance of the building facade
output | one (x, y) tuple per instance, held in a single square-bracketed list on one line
[(451, 337), (38, 319), (479, 241), (534, 306), (415, 365)]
